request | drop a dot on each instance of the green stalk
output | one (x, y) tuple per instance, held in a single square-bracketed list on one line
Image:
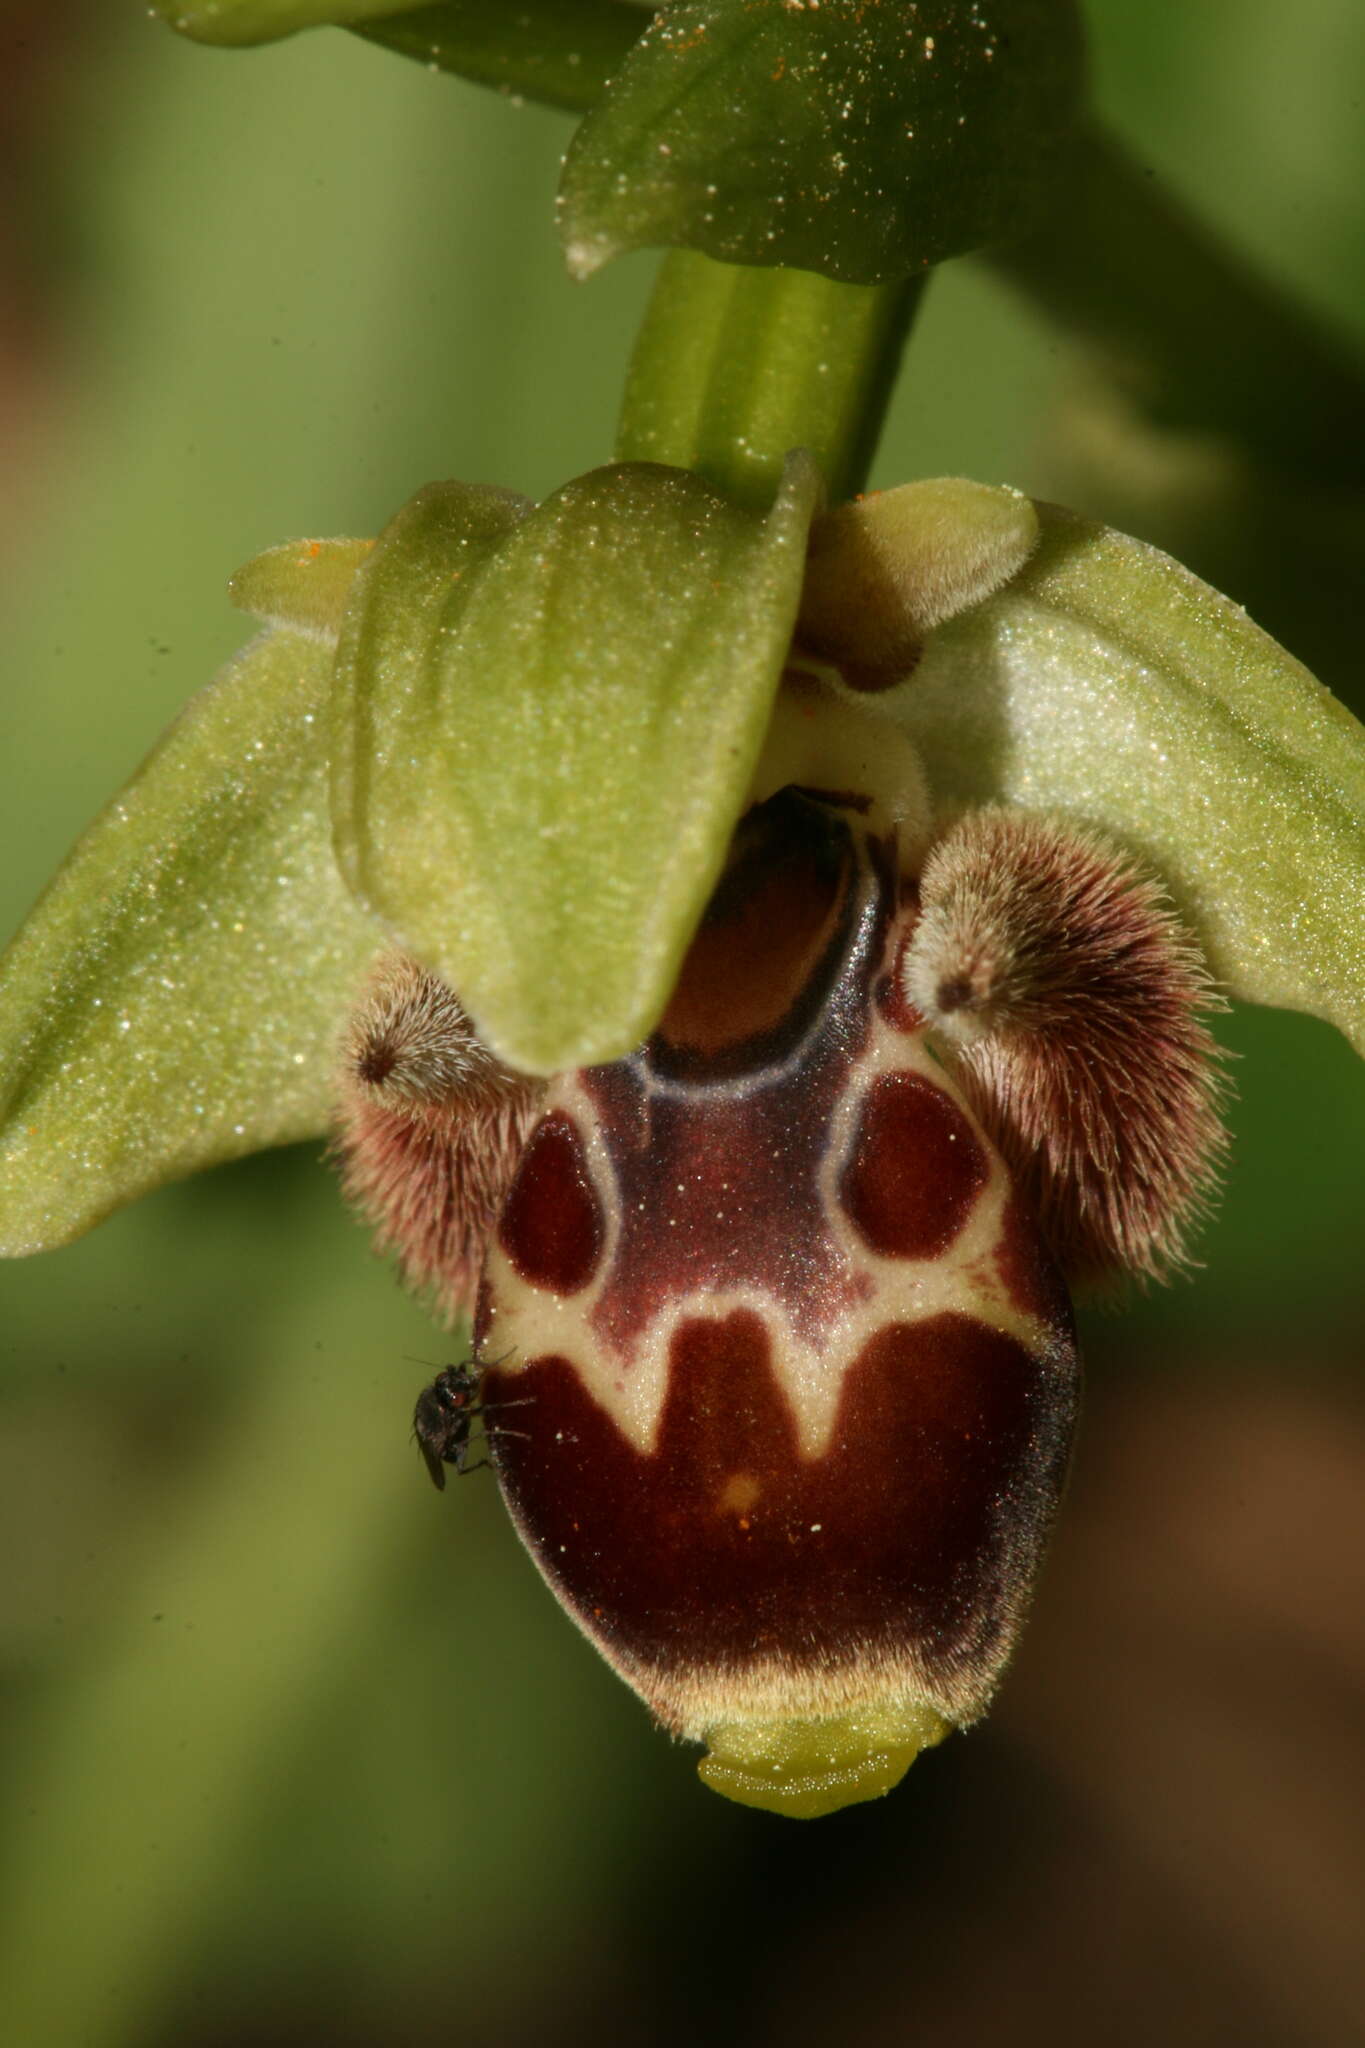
[(735, 366), (1186, 329)]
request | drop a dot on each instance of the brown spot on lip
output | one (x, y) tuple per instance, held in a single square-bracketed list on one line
[(551, 1227), (915, 1170)]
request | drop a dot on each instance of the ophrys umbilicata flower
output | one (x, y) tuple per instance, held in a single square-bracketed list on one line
[(775, 1000)]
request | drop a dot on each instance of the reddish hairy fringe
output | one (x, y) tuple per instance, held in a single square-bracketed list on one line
[(1069, 1000), (430, 1126)]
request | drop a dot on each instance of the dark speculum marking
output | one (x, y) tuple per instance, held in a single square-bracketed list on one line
[(915, 1532), (915, 1169), (717, 1156), (552, 1226)]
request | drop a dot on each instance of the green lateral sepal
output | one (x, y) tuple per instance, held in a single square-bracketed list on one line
[(174, 999)]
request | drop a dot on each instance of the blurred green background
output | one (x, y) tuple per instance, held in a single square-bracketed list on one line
[(294, 1749)]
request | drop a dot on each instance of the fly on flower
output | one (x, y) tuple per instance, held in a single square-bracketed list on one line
[(444, 1418)]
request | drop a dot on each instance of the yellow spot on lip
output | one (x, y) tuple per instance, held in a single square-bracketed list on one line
[(739, 1494)]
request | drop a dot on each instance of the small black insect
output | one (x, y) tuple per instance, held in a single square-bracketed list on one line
[(444, 1418)]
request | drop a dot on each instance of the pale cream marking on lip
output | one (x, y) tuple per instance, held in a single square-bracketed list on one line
[(631, 1387), (532, 1323)]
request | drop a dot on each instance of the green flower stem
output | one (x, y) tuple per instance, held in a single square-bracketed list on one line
[(560, 52), (1186, 329), (734, 366)]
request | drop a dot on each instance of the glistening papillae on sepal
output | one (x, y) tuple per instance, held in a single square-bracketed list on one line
[(173, 1000), (1091, 678)]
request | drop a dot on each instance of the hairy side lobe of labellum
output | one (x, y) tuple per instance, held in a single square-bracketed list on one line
[(802, 1372), (1069, 1001), (430, 1127)]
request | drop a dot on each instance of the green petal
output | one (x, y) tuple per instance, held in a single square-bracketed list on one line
[(303, 584), (175, 997), (1107, 682), (888, 568), (264, 21), (862, 141), (544, 741)]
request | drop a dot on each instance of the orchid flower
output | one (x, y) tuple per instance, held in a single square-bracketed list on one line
[(750, 946)]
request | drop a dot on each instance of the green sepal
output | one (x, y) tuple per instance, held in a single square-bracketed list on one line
[(862, 141), (175, 997), (235, 22), (1107, 683), (301, 584), (543, 740)]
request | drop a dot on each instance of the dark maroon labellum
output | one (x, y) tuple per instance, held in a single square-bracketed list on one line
[(803, 1377)]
